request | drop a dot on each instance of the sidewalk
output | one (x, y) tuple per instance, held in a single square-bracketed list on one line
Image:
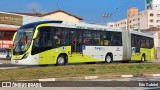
[(156, 60), (93, 77)]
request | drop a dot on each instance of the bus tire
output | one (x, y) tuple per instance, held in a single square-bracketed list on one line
[(143, 58), (61, 60), (108, 58)]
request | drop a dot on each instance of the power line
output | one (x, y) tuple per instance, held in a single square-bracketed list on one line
[(105, 15), (120, 6), (121, 9), (57, 4)]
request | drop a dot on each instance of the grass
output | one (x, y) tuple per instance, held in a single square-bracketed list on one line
[(78, 70)]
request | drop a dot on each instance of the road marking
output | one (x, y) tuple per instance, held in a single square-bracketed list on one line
[(91, 77), (156, 75), (47, 79)]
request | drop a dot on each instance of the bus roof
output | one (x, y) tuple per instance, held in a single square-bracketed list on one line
[(38, 23), (85, 26), (82, 26), (141, 33)]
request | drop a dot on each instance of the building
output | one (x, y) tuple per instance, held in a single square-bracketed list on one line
[(121, 23), (156, 34), (62, 15), (139, 20), (56, 15), (9, 24), (152, 4), (131, 12)]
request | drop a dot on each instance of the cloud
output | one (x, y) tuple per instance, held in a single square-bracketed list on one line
[(34, 5)]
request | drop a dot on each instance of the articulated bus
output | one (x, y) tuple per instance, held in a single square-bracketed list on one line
[(59, 43)]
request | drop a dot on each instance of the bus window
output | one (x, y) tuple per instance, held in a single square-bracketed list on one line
[(132, 40), (147, 43), (138, 43), (143, 42), (87, 36), (61, 36), (114, 38), (65, 37), (45, 37), (49, 40), (96, 38), (57, 36), (151, 43), (118, 39)]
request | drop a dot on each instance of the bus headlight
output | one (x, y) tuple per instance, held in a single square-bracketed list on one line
[(26, 55)]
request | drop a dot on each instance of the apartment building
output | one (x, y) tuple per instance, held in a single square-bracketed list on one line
[(141, 21)]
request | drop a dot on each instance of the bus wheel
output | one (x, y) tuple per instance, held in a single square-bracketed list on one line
[(143, 58), (108, 58), (61, 60)]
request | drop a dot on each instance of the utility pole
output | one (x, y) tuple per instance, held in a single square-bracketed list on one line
[(105, 15), (57, 4)]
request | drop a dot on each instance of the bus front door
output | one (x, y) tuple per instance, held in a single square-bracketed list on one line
[(45, 42)]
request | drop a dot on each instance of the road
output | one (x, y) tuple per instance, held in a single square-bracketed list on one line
[(6, 64)]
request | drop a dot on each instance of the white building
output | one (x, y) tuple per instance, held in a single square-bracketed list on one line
[(143, 20), (153, 4)]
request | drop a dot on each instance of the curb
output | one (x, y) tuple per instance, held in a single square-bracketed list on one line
[(127, 76), (96, 77), (151, 75), (92, 77), (156, 75), (5, 68)]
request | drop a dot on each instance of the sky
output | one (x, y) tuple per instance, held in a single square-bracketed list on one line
[(90, 10)]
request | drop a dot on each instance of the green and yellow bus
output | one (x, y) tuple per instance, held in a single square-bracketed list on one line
[(59, 42)]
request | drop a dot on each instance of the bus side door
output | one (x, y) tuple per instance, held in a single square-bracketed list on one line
[(45, 42)]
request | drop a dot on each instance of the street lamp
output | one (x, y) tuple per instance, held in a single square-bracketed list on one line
[(104, 15)]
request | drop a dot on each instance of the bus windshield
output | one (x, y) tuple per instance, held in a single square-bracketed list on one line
[(23, 40)]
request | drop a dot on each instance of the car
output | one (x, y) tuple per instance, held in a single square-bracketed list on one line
[(5, 54)]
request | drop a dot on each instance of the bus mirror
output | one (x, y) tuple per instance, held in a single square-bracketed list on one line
[(35, 35)]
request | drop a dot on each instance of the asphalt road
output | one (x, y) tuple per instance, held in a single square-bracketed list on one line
[(6, 64)]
